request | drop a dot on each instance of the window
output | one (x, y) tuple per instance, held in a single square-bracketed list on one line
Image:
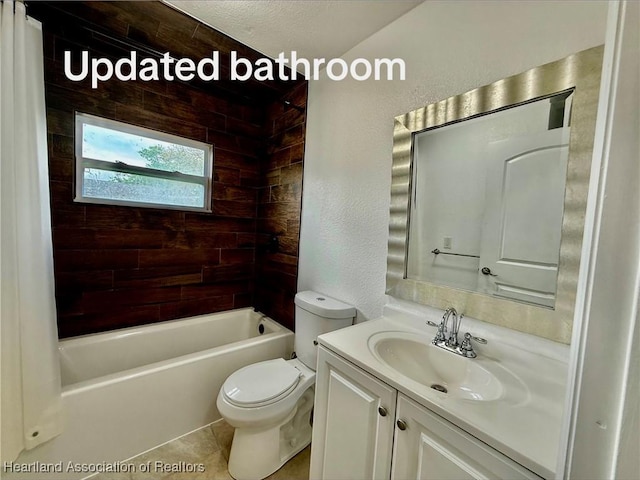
[(121, 164)]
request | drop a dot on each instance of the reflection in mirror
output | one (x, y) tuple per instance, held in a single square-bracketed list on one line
[(499, 173), (487, 201)]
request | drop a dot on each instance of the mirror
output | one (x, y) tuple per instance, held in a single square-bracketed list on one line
[(488, 197)]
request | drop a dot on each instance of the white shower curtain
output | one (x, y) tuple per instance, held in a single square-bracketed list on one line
[(30, 387)]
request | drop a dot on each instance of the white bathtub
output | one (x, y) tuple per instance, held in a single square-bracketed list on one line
[(130, 390)]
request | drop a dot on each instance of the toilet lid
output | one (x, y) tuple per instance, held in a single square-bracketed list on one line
[(261, 383)]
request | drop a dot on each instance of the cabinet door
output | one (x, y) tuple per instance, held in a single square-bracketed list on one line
[(353, 422), (431, 448)]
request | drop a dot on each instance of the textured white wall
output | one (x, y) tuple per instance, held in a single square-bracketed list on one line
[(449, 48)]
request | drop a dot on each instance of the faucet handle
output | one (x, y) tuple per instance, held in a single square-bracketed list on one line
[(440, 337), (441, 330), (478, 339), (440, 334), (466, 349)]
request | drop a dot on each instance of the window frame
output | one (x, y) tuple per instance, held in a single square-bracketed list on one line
[(81, 162)]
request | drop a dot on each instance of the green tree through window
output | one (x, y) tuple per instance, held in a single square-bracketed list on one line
[(174, 158)]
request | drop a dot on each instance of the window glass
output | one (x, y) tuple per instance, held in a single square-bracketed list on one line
[(118, 163)]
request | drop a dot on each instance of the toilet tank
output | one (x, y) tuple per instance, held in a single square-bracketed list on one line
[(316, 314)]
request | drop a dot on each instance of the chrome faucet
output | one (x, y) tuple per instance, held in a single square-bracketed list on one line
[(456, 319), (441, 335), (450, 342)]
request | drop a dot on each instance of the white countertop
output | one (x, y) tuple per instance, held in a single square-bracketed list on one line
[(524, 426)]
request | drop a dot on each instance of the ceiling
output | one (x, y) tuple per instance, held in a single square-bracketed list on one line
[(313, 28)]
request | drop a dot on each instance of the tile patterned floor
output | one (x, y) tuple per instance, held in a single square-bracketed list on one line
[(209, 447)]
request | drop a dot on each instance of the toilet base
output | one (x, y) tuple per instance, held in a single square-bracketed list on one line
[(257, 453)]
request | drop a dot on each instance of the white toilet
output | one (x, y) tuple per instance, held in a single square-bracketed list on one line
[(270, 403)]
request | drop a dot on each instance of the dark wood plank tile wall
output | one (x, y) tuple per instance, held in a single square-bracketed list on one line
[(125, 266), (279, 206)]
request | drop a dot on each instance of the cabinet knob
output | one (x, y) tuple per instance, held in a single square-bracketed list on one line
[(382, 411), (402, 425)]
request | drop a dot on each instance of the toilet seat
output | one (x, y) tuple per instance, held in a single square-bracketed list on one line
[(261, 383)]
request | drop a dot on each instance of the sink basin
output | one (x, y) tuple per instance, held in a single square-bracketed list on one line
[(414, 357)]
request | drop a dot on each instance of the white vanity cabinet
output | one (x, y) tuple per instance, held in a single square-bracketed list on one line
[(354, 420), (365, 429), (428, 447)]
